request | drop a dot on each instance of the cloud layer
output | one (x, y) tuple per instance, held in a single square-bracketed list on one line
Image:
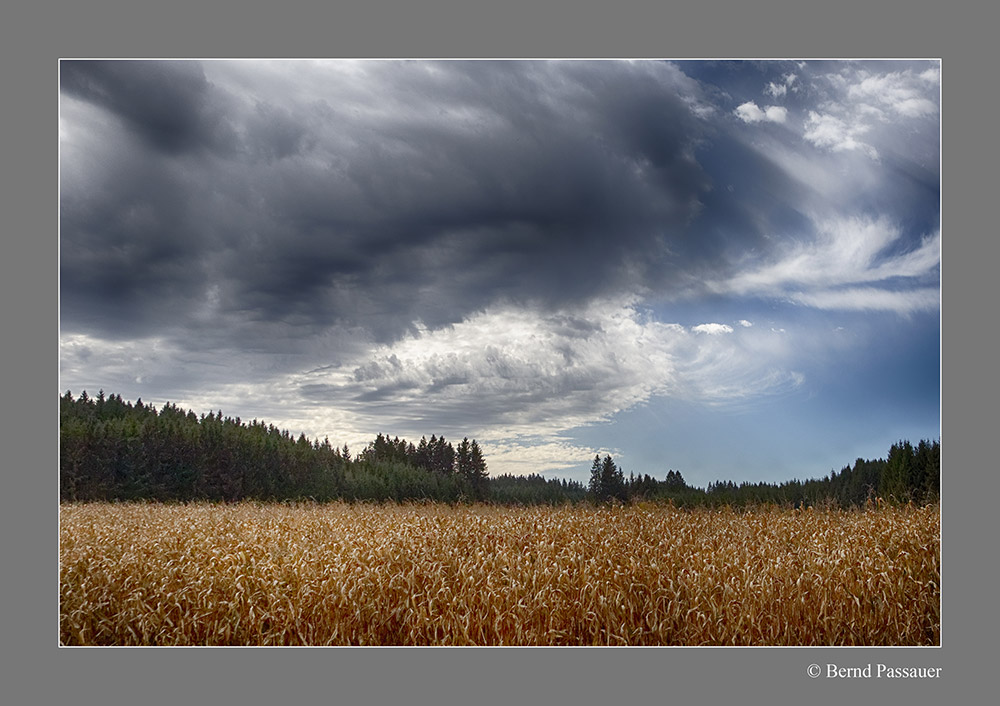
[(370, 193)]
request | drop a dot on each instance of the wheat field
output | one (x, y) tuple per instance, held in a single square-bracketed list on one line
[(432, 574)]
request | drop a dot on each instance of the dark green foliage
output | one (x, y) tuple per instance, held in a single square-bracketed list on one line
[(114, 450), (534, 490), (910, 474), (400, 481), (471, 465), (607, 481), (477, 474), (594, 487), (928, 481)]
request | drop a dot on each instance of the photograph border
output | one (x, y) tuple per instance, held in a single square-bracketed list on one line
[(45, 31)]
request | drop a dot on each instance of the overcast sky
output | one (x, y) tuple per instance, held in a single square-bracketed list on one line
[(730, 269)]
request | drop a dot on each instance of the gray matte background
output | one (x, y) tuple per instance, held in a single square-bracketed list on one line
[(33, 38)]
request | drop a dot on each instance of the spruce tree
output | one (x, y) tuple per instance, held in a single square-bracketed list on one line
[(463, 459), (479, 473), (594, 487), (612, 481)]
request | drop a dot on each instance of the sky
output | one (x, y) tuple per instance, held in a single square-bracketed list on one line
[(726, 268)]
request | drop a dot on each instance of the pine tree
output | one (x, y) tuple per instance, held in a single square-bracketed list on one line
[(607, 480), (479, 474), (594, 487), (422, 458), (897, 481), (463, 459), (612, 481)]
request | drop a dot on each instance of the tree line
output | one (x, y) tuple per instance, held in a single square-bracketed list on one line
[(908, 474), (111, 449), (435, 455)]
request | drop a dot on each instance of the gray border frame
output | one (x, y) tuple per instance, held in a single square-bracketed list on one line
[(37, 671)]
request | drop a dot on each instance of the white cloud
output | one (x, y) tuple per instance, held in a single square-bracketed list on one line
[(744, 323), (845, 252), (876, 105), (749, 112), (899, 92), (525, 371), (871, 299), (781, 88), (915, 263), (521, 457), (524, 377), (712, 329), (776, 90), (830, 132), (776, 113), (932, 76)]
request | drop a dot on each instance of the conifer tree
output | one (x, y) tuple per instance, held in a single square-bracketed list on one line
[(463, 459), (479, 474), (612, 481), (594, 487)]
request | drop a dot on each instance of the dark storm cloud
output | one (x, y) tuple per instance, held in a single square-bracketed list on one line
[(167, 103), (395, 192), (130, 246), (226, 198)]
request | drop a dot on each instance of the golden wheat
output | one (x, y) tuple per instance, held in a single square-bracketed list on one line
[(427, 574)]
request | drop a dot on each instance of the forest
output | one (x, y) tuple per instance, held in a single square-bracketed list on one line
[(112, 449)]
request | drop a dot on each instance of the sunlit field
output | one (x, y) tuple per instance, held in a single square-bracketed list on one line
[(434, 574)]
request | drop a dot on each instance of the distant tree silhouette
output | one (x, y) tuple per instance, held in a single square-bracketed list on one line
[(607, 481)]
